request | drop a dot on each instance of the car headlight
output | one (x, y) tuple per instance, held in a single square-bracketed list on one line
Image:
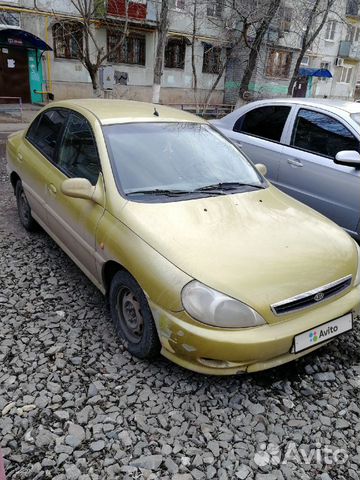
[(357, 278), (214, 308)]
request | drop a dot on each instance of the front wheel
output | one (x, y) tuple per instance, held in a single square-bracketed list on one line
[(24, 209), (132, 316)]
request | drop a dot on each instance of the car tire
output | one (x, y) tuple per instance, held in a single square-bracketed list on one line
[(132, 317), (24, 209)]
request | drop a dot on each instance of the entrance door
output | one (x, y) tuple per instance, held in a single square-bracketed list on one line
[(35, 74), (14, 73), (300, 88)]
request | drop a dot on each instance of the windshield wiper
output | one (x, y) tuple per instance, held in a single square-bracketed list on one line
[(159, 191), (227, 186), (173, 193)]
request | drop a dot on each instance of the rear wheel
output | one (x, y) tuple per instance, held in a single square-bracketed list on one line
[(24, 209), (132, 316)]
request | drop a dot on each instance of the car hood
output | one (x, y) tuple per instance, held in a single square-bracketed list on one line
[(260, 247)]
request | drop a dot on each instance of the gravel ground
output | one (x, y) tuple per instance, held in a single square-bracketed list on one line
[(75, 405)]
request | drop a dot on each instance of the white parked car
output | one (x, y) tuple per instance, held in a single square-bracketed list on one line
[(311, 148)]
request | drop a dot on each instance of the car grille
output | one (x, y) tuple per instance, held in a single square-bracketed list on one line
[(312, 297)]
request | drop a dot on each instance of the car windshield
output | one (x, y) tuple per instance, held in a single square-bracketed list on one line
[(176, 159)]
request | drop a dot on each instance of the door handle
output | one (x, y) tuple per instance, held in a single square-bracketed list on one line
[(51, 188), (240, 145), (294, 163), (20, 157)]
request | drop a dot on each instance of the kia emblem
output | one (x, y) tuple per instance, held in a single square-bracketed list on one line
[(318, 297)]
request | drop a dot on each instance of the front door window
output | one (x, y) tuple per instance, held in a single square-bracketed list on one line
[(321, 134), (78, 156)]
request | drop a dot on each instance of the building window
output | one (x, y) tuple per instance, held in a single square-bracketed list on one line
[(278, 63), (353, 34), (330, 30), (324, 66), (345, 74), (214, 8), (211, 59), (10, 19), (352, 7), (175, 53), (131, 50), (305, 61), (285, 14), (68, 39), (177, 4)]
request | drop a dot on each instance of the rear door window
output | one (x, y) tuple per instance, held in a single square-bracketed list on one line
[(266, 122), (46, 131), (322, 134)]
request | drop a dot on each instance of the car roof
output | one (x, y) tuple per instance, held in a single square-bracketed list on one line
[(329, 104), (124, 111)]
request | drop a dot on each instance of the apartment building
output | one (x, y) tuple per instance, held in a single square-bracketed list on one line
[(335, 50), (38, 55), (338, 50)]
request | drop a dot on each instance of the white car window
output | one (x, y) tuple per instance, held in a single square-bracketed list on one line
[(266, 122), (321, 134)]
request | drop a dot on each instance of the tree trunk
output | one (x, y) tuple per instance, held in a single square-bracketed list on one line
[(309, 37), (295, 73), (249, 70), (255, 47), (213, 87), (94, 76), (193, 59), (160, 49)]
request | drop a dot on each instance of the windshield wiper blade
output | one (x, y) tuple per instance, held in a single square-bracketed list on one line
[(159, 191), (174, 193), (227, 186)]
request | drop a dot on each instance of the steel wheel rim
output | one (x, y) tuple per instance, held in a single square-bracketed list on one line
[(129, 314)]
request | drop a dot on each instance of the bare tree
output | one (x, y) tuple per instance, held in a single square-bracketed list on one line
[(195, 14), (160, 49), (251, 20), (220, 49), (81, 32), (313, 21)]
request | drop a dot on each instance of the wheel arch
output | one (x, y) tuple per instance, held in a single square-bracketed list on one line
[(14, 178), (109, 269)]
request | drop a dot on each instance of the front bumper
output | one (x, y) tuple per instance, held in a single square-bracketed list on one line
[(217, 351)]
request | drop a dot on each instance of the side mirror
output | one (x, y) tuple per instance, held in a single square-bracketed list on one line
[(78, 188), (351, 158), (261, 168)]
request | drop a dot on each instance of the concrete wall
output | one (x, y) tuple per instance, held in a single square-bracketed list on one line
[(69, 78)]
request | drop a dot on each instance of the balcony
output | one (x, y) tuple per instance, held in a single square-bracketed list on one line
[(136, 10), (349, 50)]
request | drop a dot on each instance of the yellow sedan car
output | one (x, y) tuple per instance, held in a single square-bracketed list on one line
[(202, 259)]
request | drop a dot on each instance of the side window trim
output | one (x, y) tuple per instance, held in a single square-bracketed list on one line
[(289, 126), (61, 138), (286, 125), (323, 112), (38, 118)]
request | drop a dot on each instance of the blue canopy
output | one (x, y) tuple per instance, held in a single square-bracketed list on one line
[(315, 72), (13, 37)]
